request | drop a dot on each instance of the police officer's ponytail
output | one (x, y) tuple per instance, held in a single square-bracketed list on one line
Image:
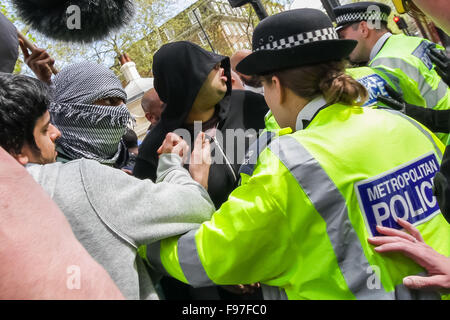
[(327, 79), (339, 87)]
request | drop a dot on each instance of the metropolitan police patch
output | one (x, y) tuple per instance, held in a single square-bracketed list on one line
[(404, 192)]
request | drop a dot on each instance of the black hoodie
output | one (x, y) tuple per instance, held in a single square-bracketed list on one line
[(180, 69)]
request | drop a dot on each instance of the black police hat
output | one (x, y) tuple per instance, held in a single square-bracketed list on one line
[(294, 38), (361, 11)]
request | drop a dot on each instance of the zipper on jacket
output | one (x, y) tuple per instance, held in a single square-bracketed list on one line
[(227, 161)]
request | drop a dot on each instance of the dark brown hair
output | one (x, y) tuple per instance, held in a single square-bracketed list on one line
[(328, 79), (23, 100)]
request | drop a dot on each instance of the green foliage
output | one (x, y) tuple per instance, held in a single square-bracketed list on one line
[(180, 27), (62, 52), (140, 39), (148, 15)]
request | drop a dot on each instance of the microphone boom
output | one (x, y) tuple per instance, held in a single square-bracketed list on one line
[(98, 18)]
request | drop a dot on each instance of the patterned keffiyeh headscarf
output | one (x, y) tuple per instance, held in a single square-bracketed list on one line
[(87, 130)]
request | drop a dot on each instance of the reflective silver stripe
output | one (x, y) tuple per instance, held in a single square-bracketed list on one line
[(190, 261), (442, 91), (331, 205), (418, 126), (395, 80), (432, 97), (154, 257), (273, 293)]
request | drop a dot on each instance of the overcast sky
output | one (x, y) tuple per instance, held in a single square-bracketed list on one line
[(315, 4)]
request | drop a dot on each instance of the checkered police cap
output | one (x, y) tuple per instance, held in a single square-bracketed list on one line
[(361, 16), (292, 39), (361, 11), (299, 39)]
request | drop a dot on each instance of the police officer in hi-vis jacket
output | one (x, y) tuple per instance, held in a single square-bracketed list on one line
[(403, 55), (299, 222)]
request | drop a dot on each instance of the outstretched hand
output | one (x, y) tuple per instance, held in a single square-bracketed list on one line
[(39, 62), (413, 246)]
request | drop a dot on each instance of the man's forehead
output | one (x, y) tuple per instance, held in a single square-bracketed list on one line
[(238, 57), (151, 100), (44, 119), (151, 96)]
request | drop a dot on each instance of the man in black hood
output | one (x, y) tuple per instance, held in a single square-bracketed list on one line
[(196, 86), (9, 45)]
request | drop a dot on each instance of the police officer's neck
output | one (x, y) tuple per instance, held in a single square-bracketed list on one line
[(372, 40), (292, 106)]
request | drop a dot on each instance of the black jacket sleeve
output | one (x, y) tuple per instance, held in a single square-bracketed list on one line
[(145, 168), (147, 158), (255, 108), (435, 120)]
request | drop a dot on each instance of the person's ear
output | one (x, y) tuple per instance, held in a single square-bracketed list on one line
[(25, 155), (364, 29), (279, 91), (22, 158), (153, 118), (148, 116)]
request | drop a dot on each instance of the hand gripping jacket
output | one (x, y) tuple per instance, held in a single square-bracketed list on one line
[(408, 56), (299, 224)]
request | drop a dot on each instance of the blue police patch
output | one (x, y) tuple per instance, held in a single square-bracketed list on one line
[(421, 53), (375, 86), (404, 192)]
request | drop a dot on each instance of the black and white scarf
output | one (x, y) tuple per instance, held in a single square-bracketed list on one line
[(87, 130)]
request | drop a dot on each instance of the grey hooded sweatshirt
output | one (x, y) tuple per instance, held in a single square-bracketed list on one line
[(112, 214)]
